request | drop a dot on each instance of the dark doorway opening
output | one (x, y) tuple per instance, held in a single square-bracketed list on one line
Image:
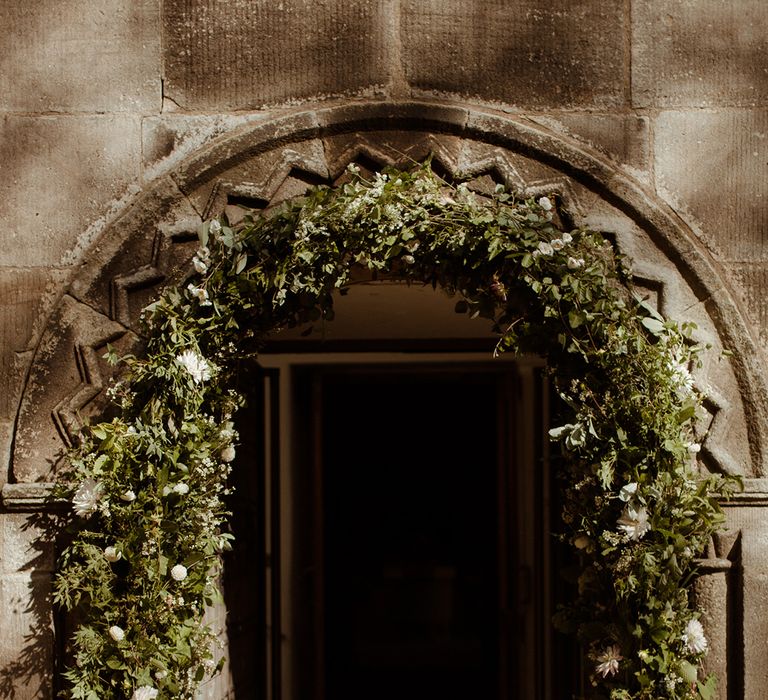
[(410, 466), (393, 527)]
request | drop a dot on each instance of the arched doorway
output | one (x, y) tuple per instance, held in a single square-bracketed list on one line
[(151, 243), (396, 526)]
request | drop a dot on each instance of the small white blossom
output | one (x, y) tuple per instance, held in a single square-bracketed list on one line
[(566, 237), (200, 294), (128, 496), (161, 674), (200, 265), (681, 375), (693, 447), (215, 227), (228, 454), (693, 637), (608, 661), (179, 572), (112, 554), (575, 263), (628, 491), (117, 633), (181, 488), (634, 522), (86, 498), (545, 248), (195, 364), (545, 203), (145, 692)]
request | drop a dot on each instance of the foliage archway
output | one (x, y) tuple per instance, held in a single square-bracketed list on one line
[(149, 486)]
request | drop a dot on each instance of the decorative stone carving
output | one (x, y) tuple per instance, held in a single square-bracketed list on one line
[(261, 164)]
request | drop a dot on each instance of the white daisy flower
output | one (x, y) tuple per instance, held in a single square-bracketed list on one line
[(608, 661), (195, 364), (693, 637), (634, 522), (87, 497)]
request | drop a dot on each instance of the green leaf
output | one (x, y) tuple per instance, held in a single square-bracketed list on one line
[(653, 325)]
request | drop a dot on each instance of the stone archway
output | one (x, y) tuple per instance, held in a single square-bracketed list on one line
[(151, 245)]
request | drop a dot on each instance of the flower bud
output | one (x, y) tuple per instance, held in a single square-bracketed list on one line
[(179, 572), (112, 554)]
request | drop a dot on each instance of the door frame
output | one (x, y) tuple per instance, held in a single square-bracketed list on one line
[(530, 529)]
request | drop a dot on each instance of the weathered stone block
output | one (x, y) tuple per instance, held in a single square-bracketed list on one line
[(528, 54), (623, 138), (711, 166), (752, 281), (168, 138), (26, 645), (23, 546), (699, 53), (240, 54), (80, 55), (59, 175), (26, 294)]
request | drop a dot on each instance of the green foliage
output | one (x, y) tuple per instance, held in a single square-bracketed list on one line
[(148, 486)]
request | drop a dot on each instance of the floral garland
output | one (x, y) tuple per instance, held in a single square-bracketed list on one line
[(148, 487)]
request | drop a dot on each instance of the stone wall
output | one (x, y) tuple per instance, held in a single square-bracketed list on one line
[(99, 99)]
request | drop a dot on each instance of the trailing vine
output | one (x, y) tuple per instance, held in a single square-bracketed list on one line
[(149, 486)]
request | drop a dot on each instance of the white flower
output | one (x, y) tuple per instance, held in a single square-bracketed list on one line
[(634, 522), (117, 633), (86, 498), (195, 364), (179, 572), (181, 488), (160, 675), (545, 203), (546, 248), (200, 294), (228, 453), (111, 554), (215, 227), (608, 661), (128, 496), (558, 244), (200, 265), (566, 237), (693, 637), (693, 447), (144, 692), (681, 375), (628, 491), (575, 263)]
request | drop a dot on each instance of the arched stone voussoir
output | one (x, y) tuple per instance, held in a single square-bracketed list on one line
[(147, 247), (65, 386), (267, 161)]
